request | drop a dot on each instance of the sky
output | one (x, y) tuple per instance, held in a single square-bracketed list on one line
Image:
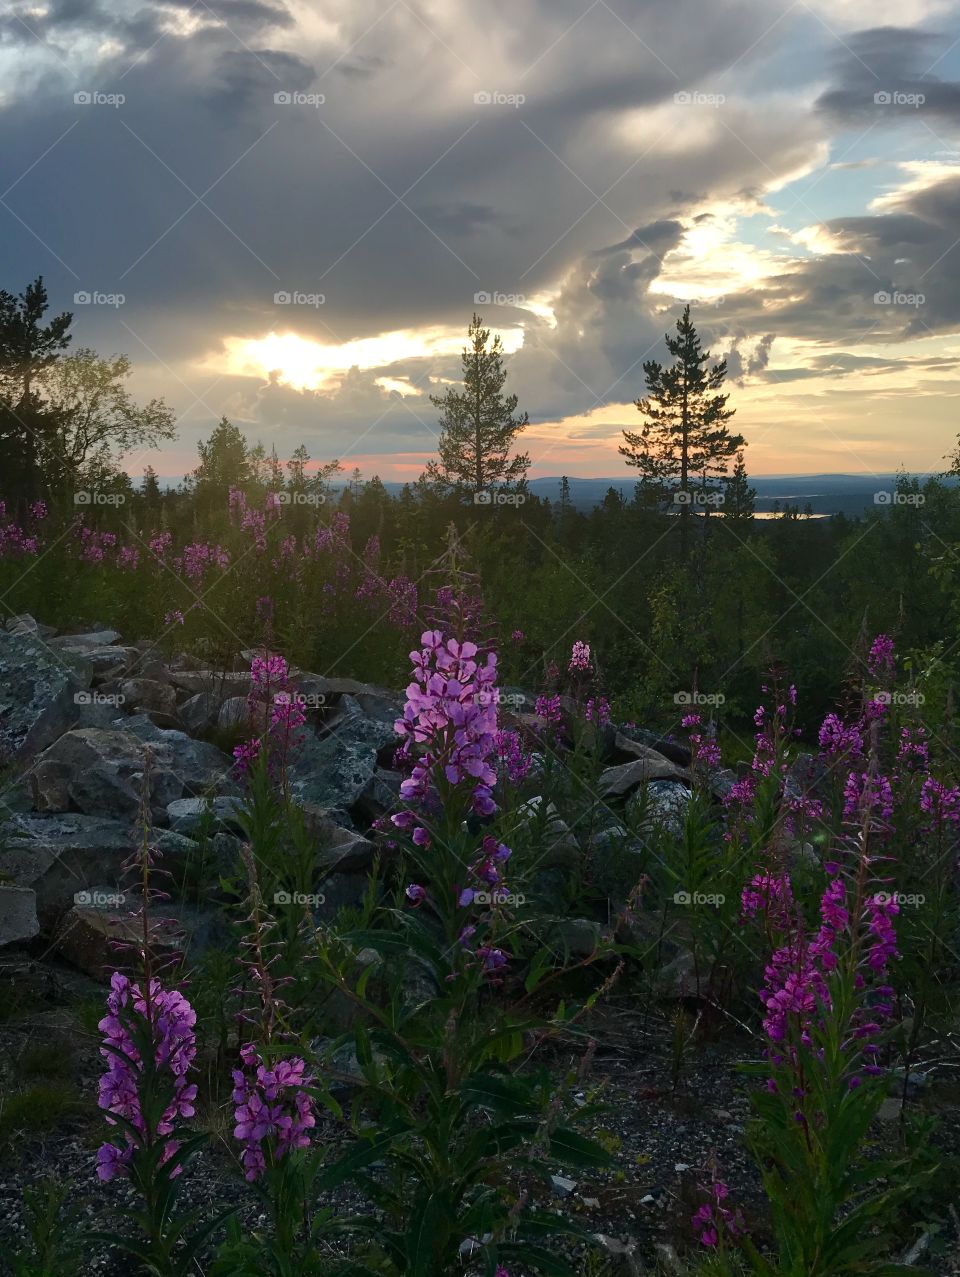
[(288, 212)]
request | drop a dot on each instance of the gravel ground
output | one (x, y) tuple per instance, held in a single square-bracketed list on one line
[(665, 1138)]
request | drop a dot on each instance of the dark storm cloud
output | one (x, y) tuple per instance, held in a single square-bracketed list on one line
[(400, 198), (887, 74)]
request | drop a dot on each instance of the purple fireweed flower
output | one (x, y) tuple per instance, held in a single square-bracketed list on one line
[(880, 660), (514, 761), (272, 1105), (450, 720), (597, 711), (835, 738), (703, 746), (712, 1215), (866, 794), (579, 657), (416, 894), (941, 802), (548, 708), (772, 895), (171, 1021), (913, 751)]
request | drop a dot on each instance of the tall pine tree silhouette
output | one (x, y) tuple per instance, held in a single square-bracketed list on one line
[(684, 443), (477, 424)]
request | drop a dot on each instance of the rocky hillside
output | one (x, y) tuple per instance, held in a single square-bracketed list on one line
[(83, 715)]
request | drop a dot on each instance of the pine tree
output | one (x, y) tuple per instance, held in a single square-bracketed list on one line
[(150, 493), (684, 443), (224, 464), (739, 498), (297, 469), (477, 424), (28, 429)]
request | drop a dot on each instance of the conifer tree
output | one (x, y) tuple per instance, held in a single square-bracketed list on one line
[(684, 443), (739, 498), (478, 427)]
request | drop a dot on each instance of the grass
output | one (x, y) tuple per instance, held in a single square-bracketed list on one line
[(39, 1109)]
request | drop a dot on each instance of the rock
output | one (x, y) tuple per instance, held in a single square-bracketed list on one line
[(105, 771), (339, 849), (562, 1186), (235, 712), (49, 782), (804, 775), (622, 1255), (333, 771), (96, 710), (380, 704), (220, 683), (150, 696), (662, 803), (95, 638), (154, 670), (615, 781), (27, 626), (671, 749), (101, 789), (199, 711), (668, 1260), (636, 749), (37, 689), (201, 766), (90, 931), (679, 978), (186, 815), (18, 914), (890, 1110), (722, 780), (578, 937), (57, 855), (106, 662), (381, 795)]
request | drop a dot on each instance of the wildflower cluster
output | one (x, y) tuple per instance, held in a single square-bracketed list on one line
[(273, 1112), (165, 1019)]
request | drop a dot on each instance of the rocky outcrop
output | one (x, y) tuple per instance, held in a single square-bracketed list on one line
[(38, 691)]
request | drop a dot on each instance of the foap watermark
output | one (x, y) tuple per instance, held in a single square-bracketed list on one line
[(693, 97), (94, 497), (712, 898), (698, 498), (512, 700), (900, 698), (84, 298), (113, 699), (904, 899), (483, 497), (894, 97), (100, 899), (93, 97), (499, 898), (300, 498), (305, 700), (883, 298), (493, 97), (887, 497), (295, 298), (293, 97), (484, 298), (699, 698), (299, 898)]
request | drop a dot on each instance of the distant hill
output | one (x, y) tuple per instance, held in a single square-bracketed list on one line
[(826, 494)]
